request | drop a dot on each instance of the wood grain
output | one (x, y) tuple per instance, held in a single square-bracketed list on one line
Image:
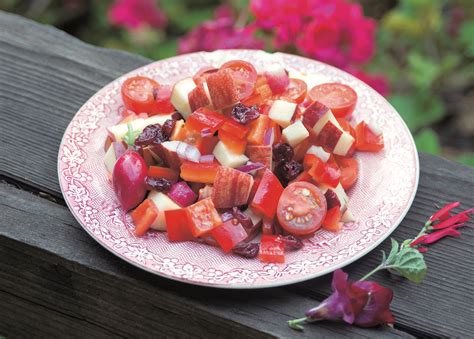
[(66, 283), (45, 76)]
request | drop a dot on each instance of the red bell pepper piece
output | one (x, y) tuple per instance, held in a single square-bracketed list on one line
[(199, 172), (267, 195), (258, 127), (272, 249), (229, 234), (234, 144), (234, 128), (205, 118), (349, 171), (203, 217), (321, 172), (332, 220), (143, 216), (162, 172), (366, 140), (206, 145), (177, 225)]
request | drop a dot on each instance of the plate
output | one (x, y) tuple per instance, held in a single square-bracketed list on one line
[(379, 200)]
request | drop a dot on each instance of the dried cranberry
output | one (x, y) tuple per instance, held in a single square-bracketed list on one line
[(148, 135), (332, 199), (282, 152), (168, 127), (291, 242), (243, 218), (158, 184), (247, 250), (244, 114), (288, 170), (176, 116)]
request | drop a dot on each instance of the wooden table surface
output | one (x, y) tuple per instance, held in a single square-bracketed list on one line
[(56, 281)]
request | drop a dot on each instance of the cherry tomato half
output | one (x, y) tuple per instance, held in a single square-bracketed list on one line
[(138, 94), (244, 75), (302, 208), (296, 91), (203, 73), (341, 99)]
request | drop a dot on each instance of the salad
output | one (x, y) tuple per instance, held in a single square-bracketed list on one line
[(246, 161)]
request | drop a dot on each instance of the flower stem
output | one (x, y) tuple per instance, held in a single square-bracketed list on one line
[(296, 324), (378, 268), (423, 231)]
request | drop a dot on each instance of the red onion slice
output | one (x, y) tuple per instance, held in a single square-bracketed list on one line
[(250, 167), (182, 194), (268, 138), (208, 158)]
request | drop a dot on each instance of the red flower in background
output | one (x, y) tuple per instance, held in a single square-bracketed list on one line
[(376, 81), (131, 14), (220, 33)]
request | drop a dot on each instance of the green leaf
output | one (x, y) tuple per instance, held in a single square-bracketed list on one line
[(410, 263), (418, 110), (465, 36), (427, 141), (393, 251), (422, 71), (466, 159)]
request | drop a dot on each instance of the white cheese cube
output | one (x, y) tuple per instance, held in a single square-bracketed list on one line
[(295, 133), (228, 158), (282, 112), (179, 96)]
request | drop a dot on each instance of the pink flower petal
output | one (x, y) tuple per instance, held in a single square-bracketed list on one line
[(443, 213)]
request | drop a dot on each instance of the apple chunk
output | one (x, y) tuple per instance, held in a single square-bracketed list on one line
[(295, 133), (180, 96), (232, 188), (317, 115), (222, 89), (228, 158), (329, 136), (282, 112), (118, 132), (198, 98), (319, 152), (168, 152), (344, 144), (163, 203), (260, 153)]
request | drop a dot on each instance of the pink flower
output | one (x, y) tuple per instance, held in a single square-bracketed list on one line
[(219, 33), (362, 303), (442, 224), (131, 14)]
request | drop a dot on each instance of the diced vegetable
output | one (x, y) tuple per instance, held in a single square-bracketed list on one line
[(177, 225), (143, 216), (322, 173), (232, 188), (332, 220), (182, 194), (234, 144), (260, 154), (349, 171), (267, 195), (222, 89), (162, 172), (258, 127), (229, 234), (367, 140), (272, 249), (199, 172), (295, 133), (232, 127), (203, 217), (251, 167), (319, 152), (180, 96), (205, 118)]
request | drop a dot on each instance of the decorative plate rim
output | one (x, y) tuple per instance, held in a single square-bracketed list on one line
[(269, 284)]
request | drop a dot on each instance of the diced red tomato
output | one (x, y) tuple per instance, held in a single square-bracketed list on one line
[(366, 140), (341, 99), (332, 220), (258, 127), (244, 76), (234, 144), (138, 94), (301, 209), (229, 234), (199, 172), (296, 91), (349, 171), (162, 172), (267, 195), (143, 216), (177, 225), (205, 118), (203, 217), (321, 172), (162, 103), (272, 249)]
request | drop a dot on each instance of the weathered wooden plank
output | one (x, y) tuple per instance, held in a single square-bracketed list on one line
[(66, 283), (443, 303)]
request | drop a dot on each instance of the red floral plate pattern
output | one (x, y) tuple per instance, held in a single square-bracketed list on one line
[(379, 200)]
